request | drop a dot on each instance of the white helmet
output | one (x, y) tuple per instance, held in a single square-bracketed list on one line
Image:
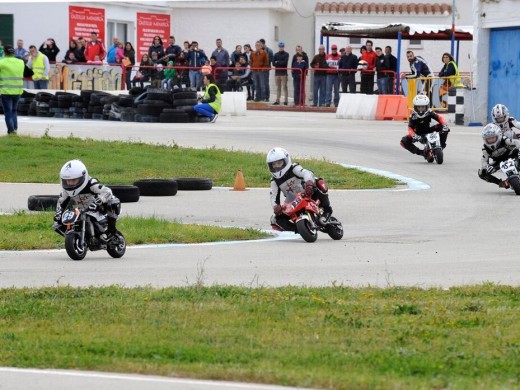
[(500, 114), (74, 177), (278, 161), (421, 105), (492, 135)]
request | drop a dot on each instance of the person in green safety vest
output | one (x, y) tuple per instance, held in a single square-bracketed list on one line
[(11, 87), (450, 69), (211, 103)]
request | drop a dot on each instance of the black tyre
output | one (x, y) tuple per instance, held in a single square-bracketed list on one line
[(42, 202), (174, 118), (73, 247), (117, 245), (146, 118), (125, 193), (148, 109), (156, 187), (184, 102), (438, 154), (514, 182), (43, 97), (201, 119), (306, 231), (126, 101), (334, 229), (193, 183), (127, 117), (136, 91), (98, 117), (184, 95)]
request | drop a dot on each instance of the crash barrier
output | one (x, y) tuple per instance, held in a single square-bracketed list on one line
[(357, 106), (234, 103), (392, 107)]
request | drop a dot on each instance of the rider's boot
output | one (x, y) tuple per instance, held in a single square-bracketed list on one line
[(325, 216), (504, 184), (111, 229)]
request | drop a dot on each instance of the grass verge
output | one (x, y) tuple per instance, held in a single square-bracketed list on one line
[(39, 160), (22, 231), (336, 337)]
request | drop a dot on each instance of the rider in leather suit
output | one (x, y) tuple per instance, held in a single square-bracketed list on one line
[(497, 148), (289, 179), (508, 124)]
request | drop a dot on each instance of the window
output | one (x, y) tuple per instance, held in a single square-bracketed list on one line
[(276, 33), (355, 41), (116, 29), (6, 29), (415, 43)]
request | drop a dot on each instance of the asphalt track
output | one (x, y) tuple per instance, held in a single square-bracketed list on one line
[(460, 230)]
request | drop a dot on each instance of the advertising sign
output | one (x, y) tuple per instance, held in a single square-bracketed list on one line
[(148, 26), (83, 20)]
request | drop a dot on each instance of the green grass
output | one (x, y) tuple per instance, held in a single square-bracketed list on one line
[(22, 231), (336, 337), (39, 160)]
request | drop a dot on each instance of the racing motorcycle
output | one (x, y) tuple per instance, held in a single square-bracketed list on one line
[(85, 230), (508, 167), (306, 215), (432, 147)]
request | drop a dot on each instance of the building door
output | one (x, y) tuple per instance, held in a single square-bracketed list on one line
[(504, 69), (6, 29), (116, 29)]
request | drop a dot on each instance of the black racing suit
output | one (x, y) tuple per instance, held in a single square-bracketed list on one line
[(506, 149), (290, 185), (421, 126)]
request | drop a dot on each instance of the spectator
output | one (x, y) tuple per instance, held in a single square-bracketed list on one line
[(235, 56), (247, 52), (172, 51), (112, 51), (362, 50), (280, 62), (11, 87), (157, 71), (207, 69), (156, 47), (270, 55), (20, 52), (180, 65), (245, 77), (169, 76), (39, 63), (70, 58), (145, 71), (50, 49), (319, 62), (367, 76), (94, 48), (383, 77), (348, 77), (120, 52), (222, 57), (305, 57), (186, 48), (259, 61), (96, 61), (450, 69), (196, 59), (73, 48), (332, 77), (233, 83), (81, 50), (299, 79), (393, 66), (211, 103), (419, 68), (129, 53)]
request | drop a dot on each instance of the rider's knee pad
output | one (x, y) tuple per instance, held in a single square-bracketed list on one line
[(322, 186)]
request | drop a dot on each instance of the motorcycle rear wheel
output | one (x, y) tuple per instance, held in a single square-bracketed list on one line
[(439, 156), (514, 182), (74, 250), (118, 249), (335, 231), (306, 231)]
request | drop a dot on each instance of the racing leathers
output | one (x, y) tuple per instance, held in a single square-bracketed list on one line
[(508, 127), (294, 181), (95, 196), (491, 159), (419, 127)]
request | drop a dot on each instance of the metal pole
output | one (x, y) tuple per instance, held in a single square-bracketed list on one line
[(398, 68), (453, 28)]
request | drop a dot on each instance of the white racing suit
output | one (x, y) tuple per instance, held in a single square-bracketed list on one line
[(93, 190), (290, 185), (508, 148), (509, 127)]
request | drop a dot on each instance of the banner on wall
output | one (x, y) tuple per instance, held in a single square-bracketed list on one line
[(148, 26), (84, 20)]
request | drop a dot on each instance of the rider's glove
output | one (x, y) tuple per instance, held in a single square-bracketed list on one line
[(57, 216), (445, 129), (309, 188), (277, 209), (93, 206), (490, 169), (416, 138)]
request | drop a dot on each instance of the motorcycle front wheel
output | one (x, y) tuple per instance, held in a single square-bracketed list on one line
[(514, 182), (73, 247), (117, 246), (305, 230), (439, 156), (334, 229)]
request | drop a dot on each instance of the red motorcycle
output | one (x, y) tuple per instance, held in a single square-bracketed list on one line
[(306, 215)]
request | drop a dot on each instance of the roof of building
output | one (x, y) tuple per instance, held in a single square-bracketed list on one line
[(347, 7)]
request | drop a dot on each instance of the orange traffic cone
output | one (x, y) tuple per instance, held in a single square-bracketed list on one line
[(240, 184)]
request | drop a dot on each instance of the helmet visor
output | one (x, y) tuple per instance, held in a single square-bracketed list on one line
[(72, 184), (500, 119), (276, 166), (491, 140), (421, 109)]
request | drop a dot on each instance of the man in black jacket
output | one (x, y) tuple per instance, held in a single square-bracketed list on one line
[(280, 62), (348, 78)]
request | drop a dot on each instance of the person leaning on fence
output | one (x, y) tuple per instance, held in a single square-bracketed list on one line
[(298, 73), (348, 77), (145, 71), (450, 70), (280, 62), (383, 77), (11, 87), (210, 104), (128, 62), (419, 68)]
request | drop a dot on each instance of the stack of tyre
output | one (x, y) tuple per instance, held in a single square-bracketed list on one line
[(182, 112), (41, 104), (61, 103), (150, 104), (24, 104)]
